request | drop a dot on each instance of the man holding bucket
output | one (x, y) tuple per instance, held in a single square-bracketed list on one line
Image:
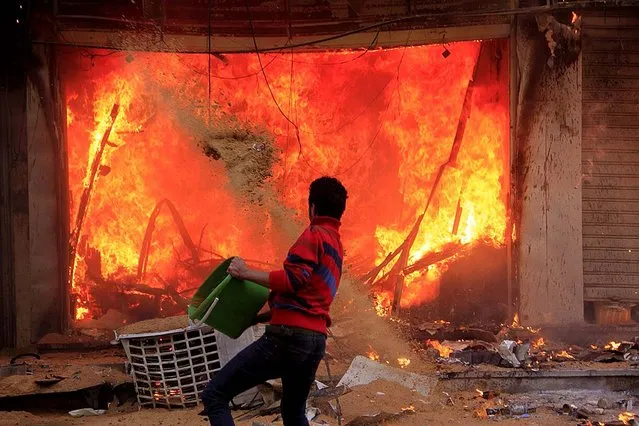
[(301, 295)]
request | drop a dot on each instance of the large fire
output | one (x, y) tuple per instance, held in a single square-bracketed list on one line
[(381, 121)]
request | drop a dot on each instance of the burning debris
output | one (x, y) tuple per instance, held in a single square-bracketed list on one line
[(515, 347)]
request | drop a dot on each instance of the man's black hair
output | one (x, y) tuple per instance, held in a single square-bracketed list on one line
[(328, 195)]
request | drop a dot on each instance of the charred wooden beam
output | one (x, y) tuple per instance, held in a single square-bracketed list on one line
[(86, 194), (401, 264), (428, 259), (148, 234), (452, 162)]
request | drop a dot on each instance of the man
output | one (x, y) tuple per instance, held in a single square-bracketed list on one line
[(301, 295)]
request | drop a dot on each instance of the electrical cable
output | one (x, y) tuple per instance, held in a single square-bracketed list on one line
[(259, 59), (219, 77), (370, 47), (208, 57)]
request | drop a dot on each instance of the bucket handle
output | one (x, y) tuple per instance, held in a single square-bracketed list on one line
[(194, 325), (199, 323)]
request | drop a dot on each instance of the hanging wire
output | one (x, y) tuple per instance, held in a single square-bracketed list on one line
[(208, 57), (268, 85)]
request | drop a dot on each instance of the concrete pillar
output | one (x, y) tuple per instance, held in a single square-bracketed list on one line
[(43, 219), (550, 255), (15, 298)]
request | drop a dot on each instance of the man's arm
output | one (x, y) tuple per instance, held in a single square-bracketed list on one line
[(299, 265), (238, 269)]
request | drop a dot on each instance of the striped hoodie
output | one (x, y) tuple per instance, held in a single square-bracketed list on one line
[(302, 292)]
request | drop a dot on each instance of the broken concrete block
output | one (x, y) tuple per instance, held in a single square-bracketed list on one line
[(363, 371)]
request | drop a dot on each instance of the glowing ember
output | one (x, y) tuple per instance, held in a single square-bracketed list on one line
[(382, 129), (444, 351), (564, 354), (371, 354), (382, 303), (403, 362), (515, 323), (538, 343), (574, 17), (613, 346), (81, 312), (409, 408), (626, 417)]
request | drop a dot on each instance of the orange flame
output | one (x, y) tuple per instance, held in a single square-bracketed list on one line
[(515, 323), (626, 417), (444, 351), (612, 346), (81, 312), (382, 133), (371, 354), (574, 17), (403, 362), (565, 354)]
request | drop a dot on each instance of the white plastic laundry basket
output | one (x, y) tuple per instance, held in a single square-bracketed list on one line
[(171, 369)]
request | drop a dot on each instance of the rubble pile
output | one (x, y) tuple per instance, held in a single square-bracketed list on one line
[(515, 347)]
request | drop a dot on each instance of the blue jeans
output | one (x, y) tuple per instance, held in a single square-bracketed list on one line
[(283, 352)]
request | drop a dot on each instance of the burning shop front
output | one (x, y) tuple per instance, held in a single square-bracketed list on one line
[(161, 143)]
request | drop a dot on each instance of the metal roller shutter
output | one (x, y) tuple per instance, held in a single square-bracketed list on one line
[(610, 157)]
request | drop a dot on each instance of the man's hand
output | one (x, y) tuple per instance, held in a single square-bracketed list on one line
[(238, 269)]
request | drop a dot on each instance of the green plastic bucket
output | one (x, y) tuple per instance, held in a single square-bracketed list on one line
[(238, 302)]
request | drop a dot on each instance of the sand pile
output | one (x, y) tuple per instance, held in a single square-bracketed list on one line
[(376, 397), (155, 325)]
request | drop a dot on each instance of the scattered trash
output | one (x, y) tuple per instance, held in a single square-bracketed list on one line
[(626, 404), (605, 403), (449, 399), (522, 352), (311, 413), (507, 351), (86, 412), (488, 394), (515, 410), (328, 393), (574, 411)]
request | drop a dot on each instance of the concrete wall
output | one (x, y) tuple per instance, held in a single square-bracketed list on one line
[(15, 307), (550, 265), (43, 220), (32, 300)]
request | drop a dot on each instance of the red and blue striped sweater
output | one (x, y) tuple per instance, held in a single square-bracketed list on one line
[(302, 292)]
